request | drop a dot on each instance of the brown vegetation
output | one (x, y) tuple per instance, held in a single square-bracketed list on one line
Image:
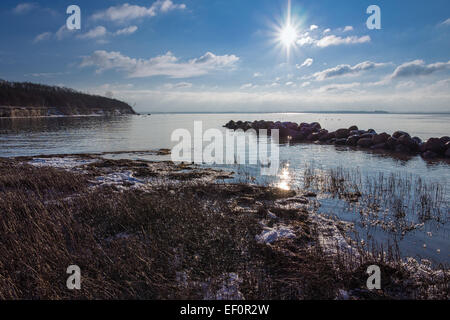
[(173, 242)]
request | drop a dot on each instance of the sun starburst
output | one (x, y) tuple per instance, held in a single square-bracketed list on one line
[(287, 31)]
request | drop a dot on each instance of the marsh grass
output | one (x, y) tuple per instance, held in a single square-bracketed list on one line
[(403, 198), (132, 244), (129, 244)]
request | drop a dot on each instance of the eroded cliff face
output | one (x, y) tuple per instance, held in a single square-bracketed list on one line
[(31, 112), (19, 112)]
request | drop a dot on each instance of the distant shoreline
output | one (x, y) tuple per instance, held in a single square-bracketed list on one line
[(300, 112)]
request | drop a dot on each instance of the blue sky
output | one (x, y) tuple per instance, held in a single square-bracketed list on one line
[(228, 55)]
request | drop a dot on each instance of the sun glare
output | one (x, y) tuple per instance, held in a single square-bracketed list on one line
[(288, 36), (287, 31)]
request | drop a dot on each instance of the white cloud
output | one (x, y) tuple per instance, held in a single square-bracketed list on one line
[(290, 84), (333, 40), (63, 32), (42, 37), (342, 87), (313, 27), (126, 31), (348, 28), (345, 69), (418, 68), (164, 65), (179, 85), (24, 8), (305, 84), (280, 99), (127, 12), (257, 75), (446, 22), (406, 85), (326, 31), (168, 5), (97, 32), (305, 40), (247, 86), (307, 63), (116, 86)]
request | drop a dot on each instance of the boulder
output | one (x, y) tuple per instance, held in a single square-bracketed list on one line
[(327, 137), (444, 140), (298, 137), (365, 143), (372, 131), (342, 133), (429, 155), (353, 128), (434, 145), (315, 126), (380, 138), (391, 143), (305, 132), (291, 125), (418, 140), (398, 134), (447, 153), (340, 142), (284, 132), (401, 148), (408, 142), (323, 132), (352, 140), (367, 135), (312, 137), (303, 125), (230, 125), (317, 136), (379, 146)]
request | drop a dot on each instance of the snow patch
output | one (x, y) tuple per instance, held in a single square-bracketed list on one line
[(278, 232), (120, 178), (62, 163), (330, 238)]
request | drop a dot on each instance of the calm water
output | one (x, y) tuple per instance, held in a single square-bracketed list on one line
[(20, 137)]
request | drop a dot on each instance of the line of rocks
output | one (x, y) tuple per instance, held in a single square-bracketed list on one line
[(399, 141)]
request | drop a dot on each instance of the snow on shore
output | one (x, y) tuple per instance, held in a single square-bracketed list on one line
[(59, 162), (278, 232)]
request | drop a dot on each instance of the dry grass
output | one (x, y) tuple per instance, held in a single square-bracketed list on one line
[(132, 245), (400, 197)]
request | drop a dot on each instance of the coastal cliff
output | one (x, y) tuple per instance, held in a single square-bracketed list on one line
[(35, 100)]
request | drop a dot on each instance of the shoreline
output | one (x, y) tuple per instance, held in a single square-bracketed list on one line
[(196, 221), (71, 116)]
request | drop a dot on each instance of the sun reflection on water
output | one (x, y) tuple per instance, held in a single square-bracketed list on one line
[(285, 179)]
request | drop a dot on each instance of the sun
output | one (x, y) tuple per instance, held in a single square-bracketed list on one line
[(288, 36), (287, 30)]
